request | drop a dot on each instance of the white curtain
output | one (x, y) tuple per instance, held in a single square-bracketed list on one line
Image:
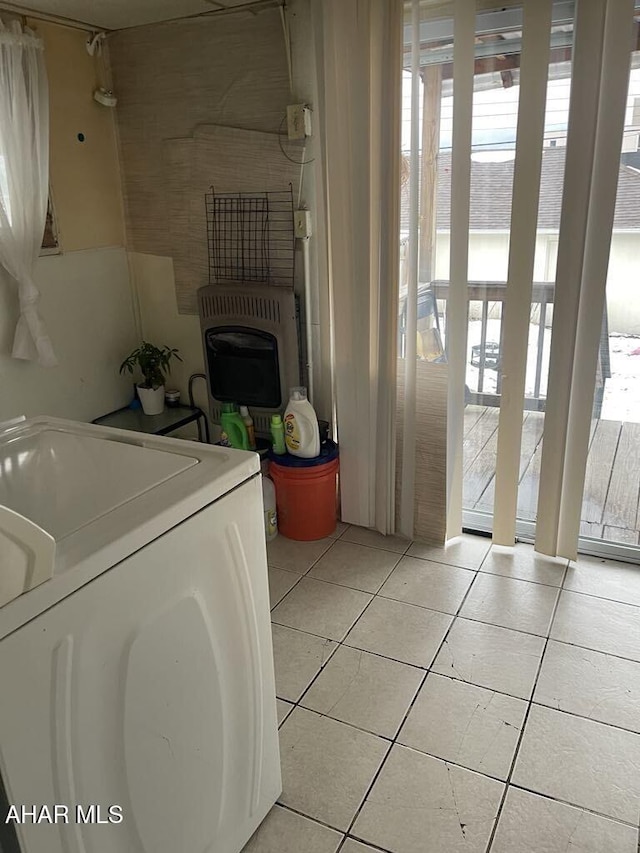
[(24, 179), (359, 61)]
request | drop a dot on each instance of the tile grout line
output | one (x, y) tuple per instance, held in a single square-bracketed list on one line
[(591, 649), (507, 783), (524, 580), (588, 719), (375, 547), (348, 837), (312, 819), (394, 741), (571, 805), (599, 597)]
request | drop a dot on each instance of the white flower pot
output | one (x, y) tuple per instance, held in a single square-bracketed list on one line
[(152, 400)]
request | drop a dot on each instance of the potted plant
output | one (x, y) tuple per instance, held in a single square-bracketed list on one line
[(154, 365)]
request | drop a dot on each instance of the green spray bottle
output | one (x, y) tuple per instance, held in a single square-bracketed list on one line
[(277, 435), (234, 432)]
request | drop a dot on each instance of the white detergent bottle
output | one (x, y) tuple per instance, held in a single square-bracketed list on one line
[(301, 433)]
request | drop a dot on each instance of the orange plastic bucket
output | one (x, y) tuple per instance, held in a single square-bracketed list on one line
[(306, 498)]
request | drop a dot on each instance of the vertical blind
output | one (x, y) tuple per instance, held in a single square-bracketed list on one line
[(565, 455), (534, 66), (463, 70)]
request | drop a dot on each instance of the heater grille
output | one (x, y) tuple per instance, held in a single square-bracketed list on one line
[(240, 306)]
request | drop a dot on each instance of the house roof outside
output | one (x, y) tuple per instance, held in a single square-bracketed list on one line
[(491, 192)]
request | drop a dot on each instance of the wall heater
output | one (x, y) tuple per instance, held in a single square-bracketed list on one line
[(250, 341)]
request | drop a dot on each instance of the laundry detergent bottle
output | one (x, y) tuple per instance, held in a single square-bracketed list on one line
[(233, 430), (301, 433)]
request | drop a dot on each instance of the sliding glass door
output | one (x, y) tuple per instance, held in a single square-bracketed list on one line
[(494, 109)]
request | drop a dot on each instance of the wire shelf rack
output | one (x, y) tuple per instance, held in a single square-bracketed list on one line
[(251, 237)]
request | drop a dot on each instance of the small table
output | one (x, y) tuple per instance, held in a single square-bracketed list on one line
[(171, 419)]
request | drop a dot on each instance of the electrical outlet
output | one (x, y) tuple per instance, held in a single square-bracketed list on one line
[(302, 223), (298, 121)]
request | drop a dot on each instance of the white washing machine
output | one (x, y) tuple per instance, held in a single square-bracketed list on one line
[(136, 668)]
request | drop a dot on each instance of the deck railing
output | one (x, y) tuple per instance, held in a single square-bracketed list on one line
[(487, 355)]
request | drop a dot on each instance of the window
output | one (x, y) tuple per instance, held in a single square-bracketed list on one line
[(50, 244)]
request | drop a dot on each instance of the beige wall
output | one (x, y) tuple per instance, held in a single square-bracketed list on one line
[(86, 298), (161, 322), (86, 303), (85, 176)]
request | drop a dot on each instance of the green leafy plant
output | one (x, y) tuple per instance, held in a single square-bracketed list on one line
[(154, 363)]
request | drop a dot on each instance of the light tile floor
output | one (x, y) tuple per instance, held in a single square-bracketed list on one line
[(458, 700)]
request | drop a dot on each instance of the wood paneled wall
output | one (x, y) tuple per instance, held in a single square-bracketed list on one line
[(430, 515), (169, 78)]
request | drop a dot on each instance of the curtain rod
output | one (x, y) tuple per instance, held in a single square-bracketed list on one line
[(253, 6), (53, 19)]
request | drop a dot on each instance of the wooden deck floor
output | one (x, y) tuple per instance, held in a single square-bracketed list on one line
[(612, 488)]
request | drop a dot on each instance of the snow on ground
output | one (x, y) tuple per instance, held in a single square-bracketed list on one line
[(622, 391), (490, 376)]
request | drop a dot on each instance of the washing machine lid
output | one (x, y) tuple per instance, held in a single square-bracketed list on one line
[(76, 499), (63, 480)]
